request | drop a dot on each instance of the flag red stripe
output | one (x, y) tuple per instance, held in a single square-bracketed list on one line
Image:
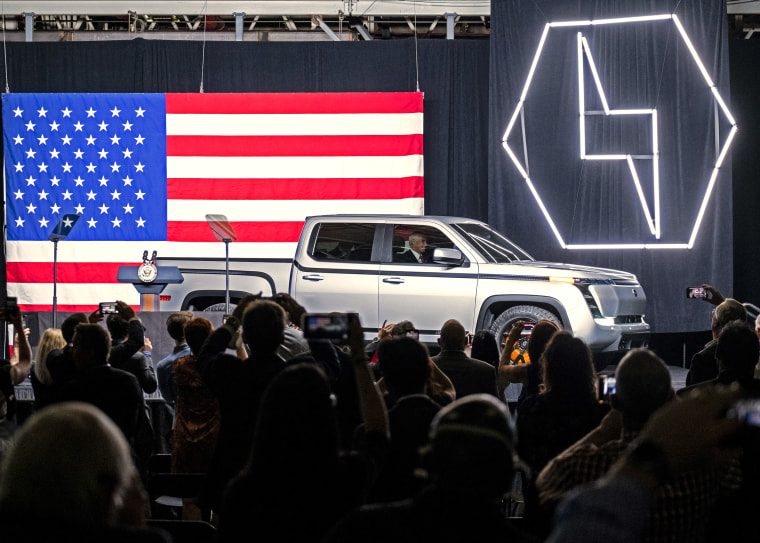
[(295, 189), (73, 308), (67, 272), (294, 145), (241, 103), (245, 231)]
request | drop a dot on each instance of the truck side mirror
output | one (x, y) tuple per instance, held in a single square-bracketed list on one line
[(448, 257)]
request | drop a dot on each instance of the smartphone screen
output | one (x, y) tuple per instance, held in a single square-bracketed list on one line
[(325, 326), (108, 307), (696, 292), (747, 411)]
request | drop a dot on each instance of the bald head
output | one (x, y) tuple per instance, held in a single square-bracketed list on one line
[(69, 462), (453, 336), (643, 386)]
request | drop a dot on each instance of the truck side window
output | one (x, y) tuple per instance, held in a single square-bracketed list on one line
[(415, 243), (344, 242)]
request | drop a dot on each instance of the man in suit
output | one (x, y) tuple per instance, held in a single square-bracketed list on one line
[(417, 245), (469, 375)]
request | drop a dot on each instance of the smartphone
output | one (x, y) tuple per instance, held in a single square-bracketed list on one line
[(325, 326), (607, 387), (107, 308), (696, 292), (747, 411)]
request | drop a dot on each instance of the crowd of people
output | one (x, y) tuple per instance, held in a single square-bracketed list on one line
[(304, 439)]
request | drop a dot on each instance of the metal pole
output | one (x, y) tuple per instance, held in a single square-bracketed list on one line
[(227, 276), (450, 23), (239, 25), (28, 25), (55, 283)]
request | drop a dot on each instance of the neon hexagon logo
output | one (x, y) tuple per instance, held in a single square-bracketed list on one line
[(635, 163)]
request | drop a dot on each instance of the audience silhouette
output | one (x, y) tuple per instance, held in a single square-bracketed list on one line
[(70, 477), (406, 369), (197, 417), (564, 410), (681, 506), (239, 384), (42, 382), (304, 439), (471, 465), (296, 453)]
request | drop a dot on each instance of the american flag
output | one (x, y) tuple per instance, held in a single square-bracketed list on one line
[(143, 170)]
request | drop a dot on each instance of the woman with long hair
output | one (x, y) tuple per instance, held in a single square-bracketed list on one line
[(565, 410), (42, 382), (196, 415)]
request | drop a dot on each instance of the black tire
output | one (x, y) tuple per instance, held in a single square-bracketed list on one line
[(528, 313), (220, 307)]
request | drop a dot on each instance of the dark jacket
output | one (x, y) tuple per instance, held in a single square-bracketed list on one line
[(469, 375), (238, 385)]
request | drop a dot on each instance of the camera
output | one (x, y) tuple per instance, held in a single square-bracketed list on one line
[(696, 292), (334, 326), (107, 308), (527, 329)]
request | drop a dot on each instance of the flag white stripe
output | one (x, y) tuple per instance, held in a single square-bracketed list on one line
[(284, 210), (94, 293), (74, 293), (294, 167), (320, 124), (131, 251)]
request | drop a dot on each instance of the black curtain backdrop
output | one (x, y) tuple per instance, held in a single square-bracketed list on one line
[(641, 66), (745, 90), (453, 75), (460, 148)]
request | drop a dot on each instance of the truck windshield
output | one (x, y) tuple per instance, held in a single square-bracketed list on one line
[(490, 244)]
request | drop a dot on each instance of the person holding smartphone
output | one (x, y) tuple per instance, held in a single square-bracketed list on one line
[(704, 365), (12, 372)]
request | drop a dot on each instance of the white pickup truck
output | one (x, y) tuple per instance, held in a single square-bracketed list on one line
[(468, 271)]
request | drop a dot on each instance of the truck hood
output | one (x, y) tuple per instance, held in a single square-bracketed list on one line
[(544, 269)]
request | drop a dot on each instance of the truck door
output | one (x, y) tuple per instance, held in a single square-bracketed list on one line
[(413, 288), (338, 271)]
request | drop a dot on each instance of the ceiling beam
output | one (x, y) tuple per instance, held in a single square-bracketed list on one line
[(259, 7), (743, 8)]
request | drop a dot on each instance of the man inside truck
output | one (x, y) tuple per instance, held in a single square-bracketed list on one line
[(416, 252)]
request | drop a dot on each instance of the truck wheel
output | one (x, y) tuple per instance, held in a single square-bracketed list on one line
[(529, 313)]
